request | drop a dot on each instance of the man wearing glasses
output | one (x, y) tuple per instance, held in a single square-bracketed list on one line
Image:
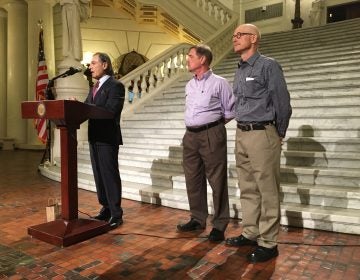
[(262, 112)]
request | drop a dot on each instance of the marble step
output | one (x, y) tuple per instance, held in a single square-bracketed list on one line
[(327, 29), (143, 139), (319, 157), (307, 106), (319, 64), (347, 177), (326, 175), (312, 56), (142, 156), (327, 131), (172, 169), (346, 38), (314, 73), (326, 92), (292, 213), (346, 128), (298, 99), (320, 217), (298, 175), (330, 110), (299, 143), (320, 195), (310, 53)]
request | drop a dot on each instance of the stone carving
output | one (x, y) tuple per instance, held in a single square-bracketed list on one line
[(73, 12), (316, 12)]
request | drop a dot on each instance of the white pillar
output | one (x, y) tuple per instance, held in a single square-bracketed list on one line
[(72, 86), (3, 75), (38, 10), (17, 59)]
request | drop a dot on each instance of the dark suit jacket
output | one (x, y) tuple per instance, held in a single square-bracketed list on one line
[(109, 96)]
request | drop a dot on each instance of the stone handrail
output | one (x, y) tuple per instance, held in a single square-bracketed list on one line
[(156, 71), (221, 41)]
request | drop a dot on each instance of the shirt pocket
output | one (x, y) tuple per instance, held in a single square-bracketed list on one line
[(254, 87)]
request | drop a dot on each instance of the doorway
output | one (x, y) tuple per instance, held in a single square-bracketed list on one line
[(343, 12)]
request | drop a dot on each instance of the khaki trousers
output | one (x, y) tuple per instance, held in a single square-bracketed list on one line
[(258, 166), (205, 157)]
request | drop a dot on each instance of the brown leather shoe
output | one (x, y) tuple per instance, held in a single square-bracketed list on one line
[(240, 241), (262, 254)]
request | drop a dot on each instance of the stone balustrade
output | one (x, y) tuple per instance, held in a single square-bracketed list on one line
[(215, 9), (166, 66)]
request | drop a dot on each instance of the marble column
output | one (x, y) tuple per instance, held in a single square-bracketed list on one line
[(17, 60), (72, 86), (3, 75), (38, 10)]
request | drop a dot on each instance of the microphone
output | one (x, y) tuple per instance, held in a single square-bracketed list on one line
[(72, 71)]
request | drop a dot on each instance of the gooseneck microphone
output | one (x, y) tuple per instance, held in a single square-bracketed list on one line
[(71, 71)]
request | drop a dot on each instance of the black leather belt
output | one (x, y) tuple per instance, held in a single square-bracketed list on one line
[(204, 127), (248, 126)]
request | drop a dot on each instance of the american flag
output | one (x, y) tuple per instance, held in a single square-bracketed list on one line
[(41, 84)]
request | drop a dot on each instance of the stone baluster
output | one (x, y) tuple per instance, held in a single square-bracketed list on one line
[(166, 69), (212, 5), (179, 69), (226, 17), (151, 79), (159, 75), (206, 8), (219, 13), (184, 59), (136, 88), (144, 83), (172, 65)]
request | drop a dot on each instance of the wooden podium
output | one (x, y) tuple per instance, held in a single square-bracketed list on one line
[(67, 115)]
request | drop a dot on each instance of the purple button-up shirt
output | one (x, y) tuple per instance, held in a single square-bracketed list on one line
[(208, 99)]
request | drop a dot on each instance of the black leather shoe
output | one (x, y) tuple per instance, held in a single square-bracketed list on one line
[(104, 215), (216, 235), (115, 222), (262, 254), (240, 241), (192, 225)]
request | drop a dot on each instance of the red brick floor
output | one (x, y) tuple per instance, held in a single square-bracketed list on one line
[(147, 246)]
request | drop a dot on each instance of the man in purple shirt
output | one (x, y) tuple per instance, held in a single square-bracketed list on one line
[(209, 105)]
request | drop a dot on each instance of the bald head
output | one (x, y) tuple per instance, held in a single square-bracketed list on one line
[(246, 39), (249, 28)]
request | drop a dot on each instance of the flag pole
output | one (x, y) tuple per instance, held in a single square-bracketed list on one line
[(44, 95)]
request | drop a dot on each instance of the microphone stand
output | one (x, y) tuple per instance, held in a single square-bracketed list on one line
[(49, 95)]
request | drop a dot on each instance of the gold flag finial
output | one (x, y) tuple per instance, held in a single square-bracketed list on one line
[(40, 23)]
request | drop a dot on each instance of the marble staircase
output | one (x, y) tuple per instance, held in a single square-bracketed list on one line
[(320, 161)]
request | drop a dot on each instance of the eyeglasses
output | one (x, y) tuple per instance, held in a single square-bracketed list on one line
[(240, 34)]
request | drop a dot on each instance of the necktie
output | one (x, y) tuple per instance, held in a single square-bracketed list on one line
[(95, 88)]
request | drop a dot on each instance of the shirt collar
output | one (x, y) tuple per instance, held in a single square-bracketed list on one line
[(204, 76), (251, 60), (103, 79)]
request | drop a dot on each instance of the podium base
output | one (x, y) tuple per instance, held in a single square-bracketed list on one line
[(65, 233)]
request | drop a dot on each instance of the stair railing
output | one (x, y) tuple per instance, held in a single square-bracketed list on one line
[(170, 64)]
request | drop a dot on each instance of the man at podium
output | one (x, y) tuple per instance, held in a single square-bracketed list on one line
[(105, 137)]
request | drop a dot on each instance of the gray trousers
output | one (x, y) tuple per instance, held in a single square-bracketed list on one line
[(205, 157), (258, 165)]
